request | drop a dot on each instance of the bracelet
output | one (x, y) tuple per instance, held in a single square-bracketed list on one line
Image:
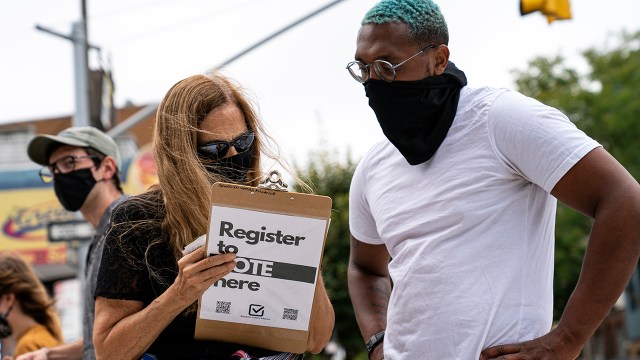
[(374, 341)]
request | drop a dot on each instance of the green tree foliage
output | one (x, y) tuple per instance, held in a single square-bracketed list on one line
[(605, 104), (332, 178)]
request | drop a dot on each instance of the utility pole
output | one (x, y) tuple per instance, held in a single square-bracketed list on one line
[(81, 46), (81, 117)]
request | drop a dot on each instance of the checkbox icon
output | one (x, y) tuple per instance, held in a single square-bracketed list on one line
[(256, 310)]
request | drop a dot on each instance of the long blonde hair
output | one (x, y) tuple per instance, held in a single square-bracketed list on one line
[(18, 278), (183, 180)]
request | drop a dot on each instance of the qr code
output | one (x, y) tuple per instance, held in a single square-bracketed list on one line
[(223, 307), (290, 314)]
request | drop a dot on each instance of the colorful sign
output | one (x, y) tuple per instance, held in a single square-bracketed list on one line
[(24, 215), (27, 206)]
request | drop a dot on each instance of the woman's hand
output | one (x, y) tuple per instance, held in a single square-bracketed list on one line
[(196, 273), (116, 332)]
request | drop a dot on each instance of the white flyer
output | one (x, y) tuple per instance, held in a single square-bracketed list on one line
[(274, 280)]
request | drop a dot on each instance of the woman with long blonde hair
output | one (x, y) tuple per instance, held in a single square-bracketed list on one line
[(206, 131), (28, 318)]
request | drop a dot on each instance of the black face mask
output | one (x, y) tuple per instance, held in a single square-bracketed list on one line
[(234, 168), (416, 115), (5, 329), (73, 188)]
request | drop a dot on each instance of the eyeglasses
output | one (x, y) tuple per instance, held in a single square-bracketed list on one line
[(218, 149), (63, 166), (384, 69)]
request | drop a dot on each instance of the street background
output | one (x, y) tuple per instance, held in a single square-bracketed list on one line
[(306, 96)]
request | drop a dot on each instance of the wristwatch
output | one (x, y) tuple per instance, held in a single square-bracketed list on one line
[(375, 340)]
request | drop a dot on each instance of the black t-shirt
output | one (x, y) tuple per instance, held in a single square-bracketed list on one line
[(134, 245)]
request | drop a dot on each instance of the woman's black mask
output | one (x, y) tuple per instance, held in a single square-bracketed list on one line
[(233, 168)]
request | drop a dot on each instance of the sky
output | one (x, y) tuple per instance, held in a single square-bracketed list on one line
[(305, 96)]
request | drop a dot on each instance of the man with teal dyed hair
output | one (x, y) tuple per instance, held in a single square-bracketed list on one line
[(456, 207)]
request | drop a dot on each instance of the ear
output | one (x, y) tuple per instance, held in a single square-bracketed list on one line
[(9, 299), (442, 59), (108, 166)]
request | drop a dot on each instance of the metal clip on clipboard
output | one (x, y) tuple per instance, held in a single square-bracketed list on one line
[(273, 181)]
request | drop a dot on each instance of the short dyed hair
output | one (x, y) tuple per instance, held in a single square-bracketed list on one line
[(423, 17)]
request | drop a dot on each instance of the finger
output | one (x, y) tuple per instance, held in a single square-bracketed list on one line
[(203, 263), (194, 256), (213, 261), (211, 266), (510, 357), (206, 270), (515, 356), (498, 350), (205, 279), (220, 259)]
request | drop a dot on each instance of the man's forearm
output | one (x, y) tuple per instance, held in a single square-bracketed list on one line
[(611, 256), (370, 297)]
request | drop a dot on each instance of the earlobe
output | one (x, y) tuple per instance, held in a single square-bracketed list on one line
[(442, 59)]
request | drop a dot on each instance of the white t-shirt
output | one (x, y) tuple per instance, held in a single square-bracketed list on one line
[(471, 231)]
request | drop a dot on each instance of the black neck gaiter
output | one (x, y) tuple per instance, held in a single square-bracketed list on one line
[(416, 115)]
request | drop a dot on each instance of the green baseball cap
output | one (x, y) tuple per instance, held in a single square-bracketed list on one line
[(41, 146)]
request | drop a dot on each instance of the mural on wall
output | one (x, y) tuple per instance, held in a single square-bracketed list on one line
[(27, 206)]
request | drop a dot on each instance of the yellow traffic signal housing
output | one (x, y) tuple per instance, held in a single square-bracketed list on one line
[(552, 9)]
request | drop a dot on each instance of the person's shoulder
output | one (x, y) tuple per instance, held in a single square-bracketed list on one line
[(35, 338), (146, 206), (517, 104), (473, 96), (500, 101), (476, 100), (376, 152)]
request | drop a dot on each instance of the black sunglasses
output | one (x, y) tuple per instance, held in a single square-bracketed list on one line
[(218, 149)]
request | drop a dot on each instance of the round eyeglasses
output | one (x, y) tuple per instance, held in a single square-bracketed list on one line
[(218, 149), (384, 69), (63, 166)]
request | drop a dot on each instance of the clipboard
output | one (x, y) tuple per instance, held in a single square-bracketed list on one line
[(279, 238)]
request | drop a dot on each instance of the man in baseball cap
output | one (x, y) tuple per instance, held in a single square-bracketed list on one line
[(83, 163)]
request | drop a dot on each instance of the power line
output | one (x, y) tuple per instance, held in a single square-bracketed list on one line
[(149, 109), (145, 5), (277, 33), (189, 21)]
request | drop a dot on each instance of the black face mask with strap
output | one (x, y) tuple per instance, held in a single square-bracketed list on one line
[(5, 329), (72, 189), (416, 115)]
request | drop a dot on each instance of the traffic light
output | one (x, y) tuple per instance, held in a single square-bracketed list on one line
[(552, 9)]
